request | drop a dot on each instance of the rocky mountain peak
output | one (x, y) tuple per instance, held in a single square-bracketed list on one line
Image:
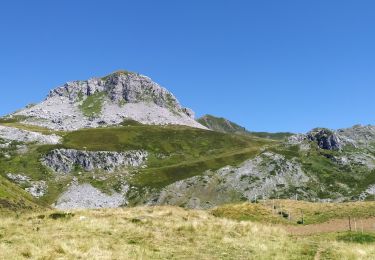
[(120, 86), (108, 100)]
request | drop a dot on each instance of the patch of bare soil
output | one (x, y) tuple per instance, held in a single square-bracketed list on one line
[(335, 225)]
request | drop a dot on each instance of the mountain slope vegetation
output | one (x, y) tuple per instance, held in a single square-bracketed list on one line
[(220, 124)]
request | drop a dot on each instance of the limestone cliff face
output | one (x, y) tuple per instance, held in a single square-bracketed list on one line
[(64, 160)]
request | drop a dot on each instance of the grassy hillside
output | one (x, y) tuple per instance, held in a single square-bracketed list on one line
[(13, 198), (330, 179), (175, 153), (223, 125), (165, 233), (220, 124)]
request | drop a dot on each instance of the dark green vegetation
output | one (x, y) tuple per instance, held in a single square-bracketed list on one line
[(61, 215), (357, 237), (223, 125)]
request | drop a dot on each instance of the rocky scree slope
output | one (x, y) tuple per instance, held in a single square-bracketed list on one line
[(108, 101)]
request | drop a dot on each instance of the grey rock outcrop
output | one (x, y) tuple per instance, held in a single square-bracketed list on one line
[(325, 139), (65, 160), (357, 136), (36, 188)]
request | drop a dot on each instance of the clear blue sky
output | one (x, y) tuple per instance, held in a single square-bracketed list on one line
[(268, 65)]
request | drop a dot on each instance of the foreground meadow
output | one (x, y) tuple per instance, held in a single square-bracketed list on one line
[(162, 233)]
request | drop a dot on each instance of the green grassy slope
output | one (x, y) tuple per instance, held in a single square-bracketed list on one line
[(175, 153), (223, 125), (13, 198)]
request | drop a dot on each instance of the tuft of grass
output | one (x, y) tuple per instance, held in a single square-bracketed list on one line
[(60, 215)]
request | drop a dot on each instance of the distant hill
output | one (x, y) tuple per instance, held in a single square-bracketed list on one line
[(223, 125)]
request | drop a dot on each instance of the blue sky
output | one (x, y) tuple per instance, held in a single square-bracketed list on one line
[(268, 65)]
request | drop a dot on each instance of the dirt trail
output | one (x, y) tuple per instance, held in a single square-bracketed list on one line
[(335, 225)]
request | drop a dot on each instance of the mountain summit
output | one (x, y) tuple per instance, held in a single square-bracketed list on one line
[(109, 100)]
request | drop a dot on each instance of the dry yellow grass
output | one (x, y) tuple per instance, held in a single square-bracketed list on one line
[(269, 211), (157, 233)]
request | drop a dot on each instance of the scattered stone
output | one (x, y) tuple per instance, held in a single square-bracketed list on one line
[(85, 196), (36, 188), (18, 178)]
